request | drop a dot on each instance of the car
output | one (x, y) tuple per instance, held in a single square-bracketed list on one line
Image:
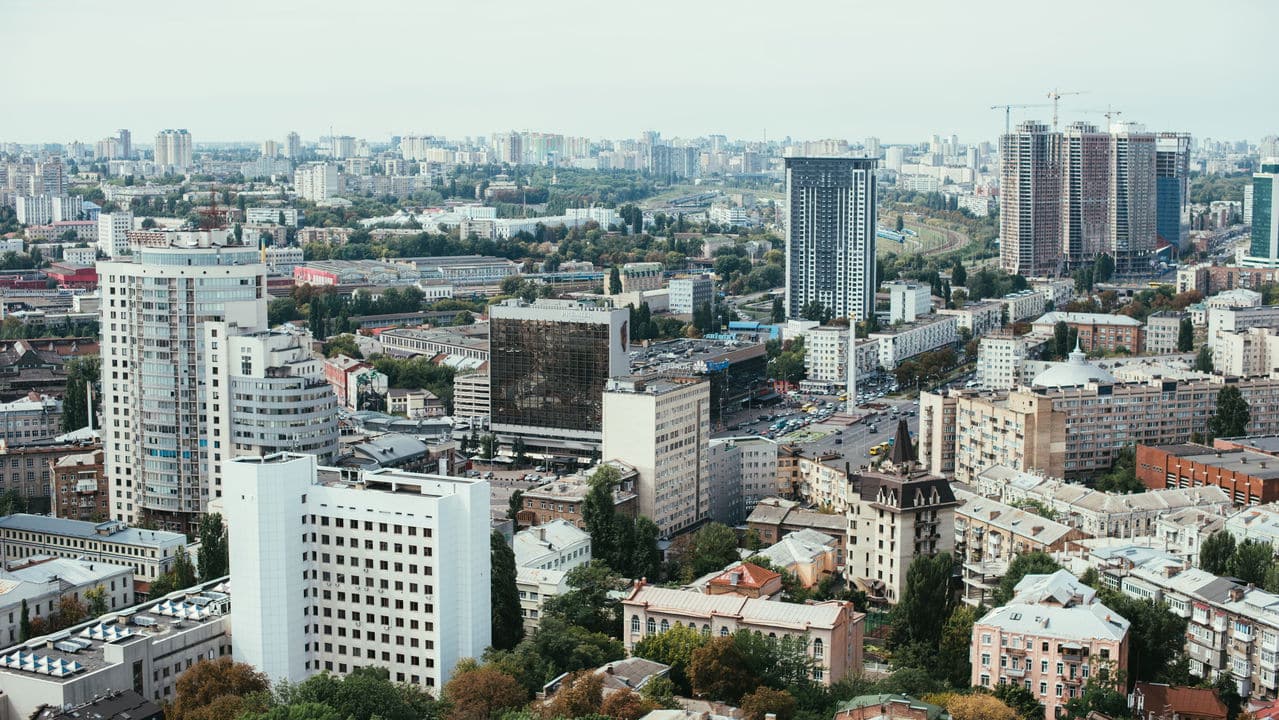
[(839, 441)]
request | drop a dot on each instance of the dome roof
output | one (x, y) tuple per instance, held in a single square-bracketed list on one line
[(1074, 372)]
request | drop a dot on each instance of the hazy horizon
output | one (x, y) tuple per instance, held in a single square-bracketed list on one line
[(245, 72)]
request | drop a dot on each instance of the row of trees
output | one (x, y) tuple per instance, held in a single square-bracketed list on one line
[(1250, 561)]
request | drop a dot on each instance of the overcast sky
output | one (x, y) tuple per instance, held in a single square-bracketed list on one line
[(900, 70)]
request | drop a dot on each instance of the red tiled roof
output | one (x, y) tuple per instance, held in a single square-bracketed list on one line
[(749, 575), (1179, 699)]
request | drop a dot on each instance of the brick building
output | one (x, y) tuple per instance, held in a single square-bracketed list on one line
[(1249, 477), (80, 489)]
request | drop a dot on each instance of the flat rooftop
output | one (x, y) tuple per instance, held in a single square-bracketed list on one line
[(110, 531)]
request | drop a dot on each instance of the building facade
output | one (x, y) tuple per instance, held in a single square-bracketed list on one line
[(150, 553), (80, 490), (1030, 200), (830, 235), (333, 572)]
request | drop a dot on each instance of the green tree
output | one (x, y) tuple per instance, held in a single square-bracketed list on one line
[(767, 701), (815, 310), (515, 504), (1103, 268), (342, 345), (600, 514), (1098, 695), (488, 446), (1250, 561), (1032, 563), (924, 606), (778, 313), (82, 376), (899, 223), (1156, 637), (519, 450), (24, 623), (508, 624), (647, 558), (956, 644), (1122, 477), (713, 546), (1020, 699), (1203, 360), (97, 601), (958, 274), (1061, 336), (214, 558), (11, 502), (673, 647), (1185, 335), (614, 281), (717, 671), (590, 602), (1232, 416)]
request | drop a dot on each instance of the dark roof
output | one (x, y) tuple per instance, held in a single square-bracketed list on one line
[(903, 453), (1165, 700), (904, 492), (122, 705)]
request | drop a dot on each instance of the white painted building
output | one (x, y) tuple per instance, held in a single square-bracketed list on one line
[(112, 228), (149, 553), (979, 318), (906, 341), (317, 181), (1001, 359), (662, 429), (1024, 304), (42, 583), (908, 301), (335, 570), (743, 471)]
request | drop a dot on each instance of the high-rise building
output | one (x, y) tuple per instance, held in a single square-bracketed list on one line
[(511, 150), (279, 399), (690, 292), (50, 178), (113, 240), (1264, 249), (270, 149), (830, 235), (1172, 188), (661, 427), (1085, 193), (1132, 197), (157, 396), (317, 181), (173, 150), (334, 571), (125, 141), (548, 364), (1030, 200), (292, 146)]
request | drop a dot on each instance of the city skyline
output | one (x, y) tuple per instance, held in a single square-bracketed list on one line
[(450, 84)]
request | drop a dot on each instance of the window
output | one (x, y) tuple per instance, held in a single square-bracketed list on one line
[(819, 649), (635, 623), (985, 659), (665, 625), (652, 626)]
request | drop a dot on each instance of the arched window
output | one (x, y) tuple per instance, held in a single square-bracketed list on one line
[(818, 649), (635, 624), (665, 625), (706, 629), (652, 626), (723, 631)]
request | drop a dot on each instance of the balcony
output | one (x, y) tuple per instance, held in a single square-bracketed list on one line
[(1014, 672)]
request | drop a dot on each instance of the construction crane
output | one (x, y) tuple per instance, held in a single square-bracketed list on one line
[(1056, 96), (1008, 111)]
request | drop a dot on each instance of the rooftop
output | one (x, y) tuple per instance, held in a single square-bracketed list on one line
[(1243, 462), (743, 574), (1006, 517), (111, 530), (802, 546), (1077, 318), (750, 610), (1057, 605)]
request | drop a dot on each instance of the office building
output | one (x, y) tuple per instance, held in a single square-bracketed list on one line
[(690, 292), (277, 398), (833, 628), (125, 140), (1172, 188), (830, 235), (1085, 193), (908, 301), (150, 553), (1051, 638), (548, 364), (471, 397), (1263, 251), (1030, 241), (157, 395), (317, 181), (113, 228), (639, 276), (173, 151), (661, 427), (742, 471), (901, 342), (335, 571)]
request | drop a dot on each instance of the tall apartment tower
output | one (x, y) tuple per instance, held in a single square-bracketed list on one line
[(279, 400), (830, 235), (293, 146), (1172, 188), (125, 139), (1030, 200), (1263, 251), (1132, 197), (317, 180), (661, 427), (335, 570), (157, 393), (173, 150), (1085, 193), (548, 364)]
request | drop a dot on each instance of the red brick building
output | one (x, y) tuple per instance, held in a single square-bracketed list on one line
[(1097, 331), (1247, 476), (80, 489)]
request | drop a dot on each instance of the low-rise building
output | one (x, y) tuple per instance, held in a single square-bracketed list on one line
[(1024, 304), (907, 301), (1247, 353), (1052, 638), (1095, 512), (562, 499), (832, 629), (1247, 477), (544, 554), (742, 578), (146, 647), (1096, 331), (149, 553), (470, 341), (80, 488), (28, 469), (30, 419), (418, 403), (990, 534), (39, 585), (356, 383), (903, 342), (640, 276), (978, 318), (1163, 329), (1258, 524), (889, 707), (808, 555), (1157, 701), (1001, 359), (775, 518)]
